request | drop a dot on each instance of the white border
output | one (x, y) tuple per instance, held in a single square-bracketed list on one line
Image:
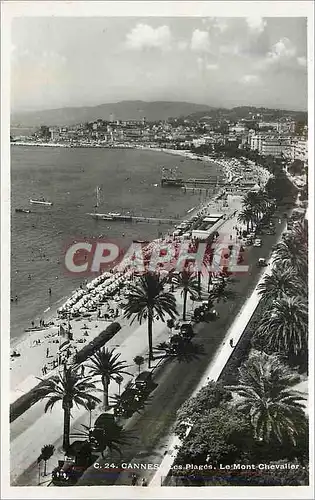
[(142, 9)]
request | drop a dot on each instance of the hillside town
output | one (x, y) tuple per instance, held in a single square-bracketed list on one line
[(158, 248), (269, 133)]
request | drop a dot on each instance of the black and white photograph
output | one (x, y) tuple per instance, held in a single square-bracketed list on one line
[(157, 290)]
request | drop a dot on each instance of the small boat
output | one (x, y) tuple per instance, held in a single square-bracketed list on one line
[(22, 210), (110, 216), (42, 201), (33, 329)]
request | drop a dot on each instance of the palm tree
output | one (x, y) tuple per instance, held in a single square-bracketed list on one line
[(106, 364), (47, 452), (220, 293), (281, 283), (250, 199), (257, 203), (187, 281), (106, 434), (138, 360), (299, 233), (69, 388), (119, 380), (246, 217), (284, 328), (91, 405), (290, 253), (147, 297), (266, 394)]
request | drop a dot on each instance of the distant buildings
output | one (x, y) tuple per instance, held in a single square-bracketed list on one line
[(297, 150), (274, 146), (261, 132)]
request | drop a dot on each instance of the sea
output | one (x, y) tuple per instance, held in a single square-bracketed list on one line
[(129, 180)]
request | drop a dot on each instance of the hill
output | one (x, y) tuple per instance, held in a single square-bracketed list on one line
[(124, 110), (242, 112)]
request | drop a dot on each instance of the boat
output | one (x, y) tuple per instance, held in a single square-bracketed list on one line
[(42, 201), (22, 210)]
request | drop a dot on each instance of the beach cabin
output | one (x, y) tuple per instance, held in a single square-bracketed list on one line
[(208, 226)]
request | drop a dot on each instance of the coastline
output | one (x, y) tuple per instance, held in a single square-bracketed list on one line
[(19, 374), (185, 153), (22, 377)]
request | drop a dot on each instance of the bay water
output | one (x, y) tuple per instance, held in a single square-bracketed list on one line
[(130, 182)]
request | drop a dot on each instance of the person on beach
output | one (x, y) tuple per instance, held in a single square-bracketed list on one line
[(231, 343), (33, 324), (134, 479), (49, 291)]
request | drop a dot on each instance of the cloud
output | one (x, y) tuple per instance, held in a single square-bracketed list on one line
[(182, 45), (249, 79), (302, 61), (203, 64), (230, 49), (200, 41), (220, 23), (256, 24), (212, 66), (144, 36), (200, 62), (283, 49), (282, 54)]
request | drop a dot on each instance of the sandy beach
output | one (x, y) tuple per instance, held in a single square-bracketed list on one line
[(34, 346)]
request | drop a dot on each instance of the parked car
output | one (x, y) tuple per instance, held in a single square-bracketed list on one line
[(257, 243), (79, 458), (186, 330), (143, 380)]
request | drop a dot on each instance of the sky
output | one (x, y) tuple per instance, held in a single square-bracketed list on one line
[(61, 61)]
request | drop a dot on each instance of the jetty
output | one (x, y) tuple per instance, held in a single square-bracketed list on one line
[(131, 218), (172, 177)]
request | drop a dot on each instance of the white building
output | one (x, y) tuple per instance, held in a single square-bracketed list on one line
[(297, 150), (301, 150), (274, 125), (255, 142)]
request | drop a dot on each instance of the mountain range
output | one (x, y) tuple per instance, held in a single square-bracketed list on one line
[(123, 110), (136, 110)]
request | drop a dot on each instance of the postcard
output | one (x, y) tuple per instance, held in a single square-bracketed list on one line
[(157, 222)]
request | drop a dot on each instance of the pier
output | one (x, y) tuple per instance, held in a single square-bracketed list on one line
[(132, 218), (172, 177), (194, 189)]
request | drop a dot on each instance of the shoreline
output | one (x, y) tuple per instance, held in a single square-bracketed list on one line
[(26, 376), (51, 314), (24, 343)]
